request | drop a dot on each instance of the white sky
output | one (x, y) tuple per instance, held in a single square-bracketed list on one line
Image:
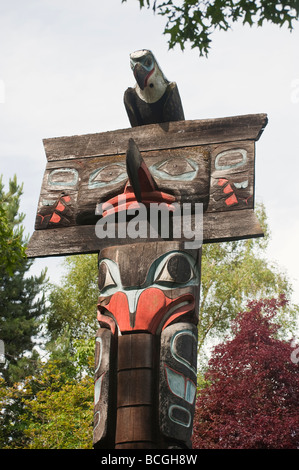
[(64, 66)]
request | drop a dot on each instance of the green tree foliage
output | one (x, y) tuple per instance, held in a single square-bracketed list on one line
[(22, 309), (61, 414), (22, 304), (251, 400), (232, 274), (235, 272), (52, 406), (48, 410), (194, 21), (11, 231), (73, 303), (11, 427)]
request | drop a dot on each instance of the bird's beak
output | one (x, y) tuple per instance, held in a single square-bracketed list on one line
[(140, 75), (151, 309), (140, 188), (139, 175)]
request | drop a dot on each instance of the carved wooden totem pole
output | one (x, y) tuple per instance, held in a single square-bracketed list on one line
[(149, 272), (148, 313)]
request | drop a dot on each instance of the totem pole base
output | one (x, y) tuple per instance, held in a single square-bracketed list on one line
[(135, 426), (146, 348)]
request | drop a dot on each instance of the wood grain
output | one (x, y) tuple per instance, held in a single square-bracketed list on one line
[(157, 137), (218, 227), (208, 161)]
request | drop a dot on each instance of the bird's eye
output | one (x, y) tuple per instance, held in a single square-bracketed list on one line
[(148, 62), (177, 269)]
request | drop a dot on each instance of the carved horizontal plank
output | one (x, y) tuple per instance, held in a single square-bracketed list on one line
[(72, 189), (221, 177), (157, 137), (217, 227), (210, 162)]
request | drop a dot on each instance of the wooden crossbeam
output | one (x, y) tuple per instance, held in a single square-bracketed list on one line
[(209, 161)]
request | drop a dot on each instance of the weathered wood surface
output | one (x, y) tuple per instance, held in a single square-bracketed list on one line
[(204, 161), (104, 388), (135, 391), (217, 227), (71, 190), (158, 137), (155, 367), (177, 381)]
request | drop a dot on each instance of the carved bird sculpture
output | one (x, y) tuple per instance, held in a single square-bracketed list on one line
[(153, 99)]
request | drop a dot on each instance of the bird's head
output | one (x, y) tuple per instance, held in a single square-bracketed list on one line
[(151, 82)]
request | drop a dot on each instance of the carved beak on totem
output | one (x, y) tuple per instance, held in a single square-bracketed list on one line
[(141, 187), (152, 307), (141, 75)]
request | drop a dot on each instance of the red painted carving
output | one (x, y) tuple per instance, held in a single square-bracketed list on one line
[(152, 306), (228, 189), (51, 214), (55, 218), (231, 200), (60, 207), (222, 181), (128, 198)]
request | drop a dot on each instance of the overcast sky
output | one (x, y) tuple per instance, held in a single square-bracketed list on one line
[(64, 66)]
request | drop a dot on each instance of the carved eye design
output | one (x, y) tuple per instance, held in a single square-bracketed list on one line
[(105, 277), (108, 174), (176, 270), (179, 169), (230, 159), (63, 177)]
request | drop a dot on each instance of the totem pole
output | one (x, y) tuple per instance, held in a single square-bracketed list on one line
[(149, 270), (146, 348), (149, 303)]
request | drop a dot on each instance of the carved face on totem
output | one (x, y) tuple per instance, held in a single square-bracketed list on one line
[(151, 294), (148, 305)]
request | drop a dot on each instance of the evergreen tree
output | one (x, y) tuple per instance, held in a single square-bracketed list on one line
[(22, 306), (22, 303), (11, 230)]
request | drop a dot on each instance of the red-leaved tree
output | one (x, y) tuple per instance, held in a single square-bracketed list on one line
[(252, 397)]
